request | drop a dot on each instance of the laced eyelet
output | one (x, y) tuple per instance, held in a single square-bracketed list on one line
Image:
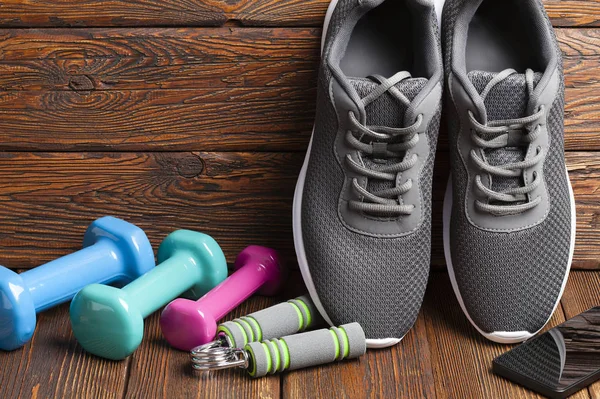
[(497, 134), (543, 110)]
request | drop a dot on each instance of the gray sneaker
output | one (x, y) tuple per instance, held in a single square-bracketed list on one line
[(362, 208), (509, 212)]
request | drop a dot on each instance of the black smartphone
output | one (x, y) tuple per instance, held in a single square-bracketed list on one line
[(559, 362)]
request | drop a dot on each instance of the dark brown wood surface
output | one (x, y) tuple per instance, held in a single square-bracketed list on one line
[(53, 365), (196, 115), (237, 197), (158, 371), (205, 89), (442, 357), (197, 89), (43, 13)]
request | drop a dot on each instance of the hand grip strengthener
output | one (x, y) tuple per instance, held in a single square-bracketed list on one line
[(287, 318), (288, 353)]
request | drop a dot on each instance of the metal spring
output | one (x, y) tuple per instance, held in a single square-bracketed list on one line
[(211, 357)]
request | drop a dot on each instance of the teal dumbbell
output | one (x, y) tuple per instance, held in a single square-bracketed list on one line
[(109, 322)]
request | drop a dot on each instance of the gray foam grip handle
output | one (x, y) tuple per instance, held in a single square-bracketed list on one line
[(286, 318), (307, 349)]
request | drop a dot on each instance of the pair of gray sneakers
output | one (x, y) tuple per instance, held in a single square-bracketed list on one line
[(362, 208)]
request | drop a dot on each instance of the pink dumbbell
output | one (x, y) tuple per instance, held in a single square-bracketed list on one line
[(187, 324)]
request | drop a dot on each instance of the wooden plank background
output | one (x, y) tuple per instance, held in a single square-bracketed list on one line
[(86, 13), (442, 357), (196, 115), (201, 128)]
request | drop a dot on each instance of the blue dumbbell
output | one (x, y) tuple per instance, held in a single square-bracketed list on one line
[(113, 251)]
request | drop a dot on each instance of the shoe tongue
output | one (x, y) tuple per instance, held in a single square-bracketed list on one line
[(387, 110), (509, 99), (506, 100)]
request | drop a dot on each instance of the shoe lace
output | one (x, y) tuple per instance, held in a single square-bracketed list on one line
[(495, 135), (382, 143)]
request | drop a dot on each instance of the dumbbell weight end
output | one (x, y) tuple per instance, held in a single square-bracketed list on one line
[(109, 322), (186, 324)]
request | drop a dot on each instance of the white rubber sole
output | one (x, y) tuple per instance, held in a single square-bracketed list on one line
[(297, 212), (502, 337)]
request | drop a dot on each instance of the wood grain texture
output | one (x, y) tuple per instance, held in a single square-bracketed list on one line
[(182, 89), (462, 357), (52, 365), (152, 58), (149, 81), (158, 371), (238, 119), (184, 96), (16, 13), (441, 357), (583, 168), (581, 60), (48, 199), (228, 119), (227, 44), (573, 12), (43, 13), (239, 198)]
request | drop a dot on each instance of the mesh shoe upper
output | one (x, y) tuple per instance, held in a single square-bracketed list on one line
[(508, 280), (374, 280)]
